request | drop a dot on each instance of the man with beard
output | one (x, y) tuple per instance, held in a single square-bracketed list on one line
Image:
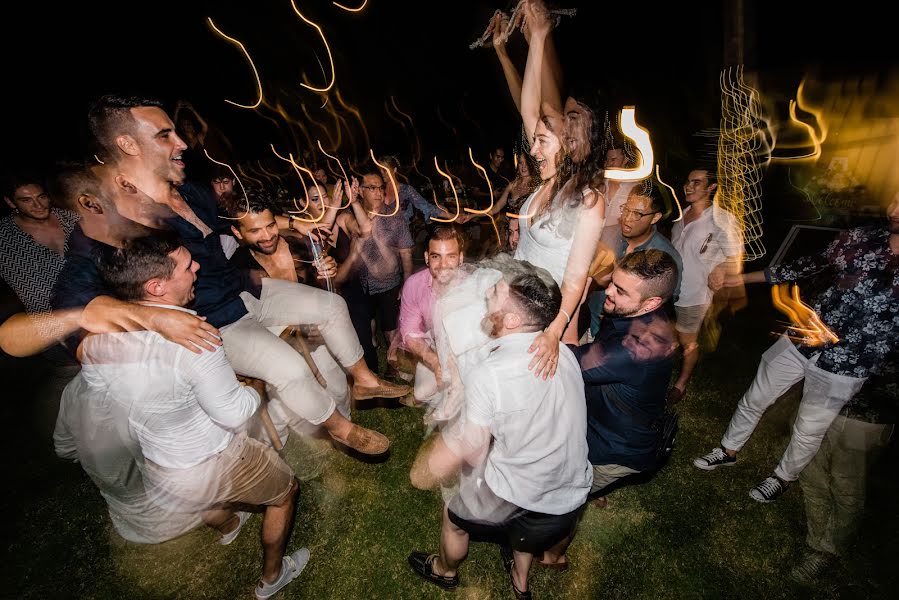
[(861, 310), (637, 225), (443, 255), (521, 445), (627, 368), (138, 136)]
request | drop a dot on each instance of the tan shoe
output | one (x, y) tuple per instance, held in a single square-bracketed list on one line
[(384, 389), (366, 441)]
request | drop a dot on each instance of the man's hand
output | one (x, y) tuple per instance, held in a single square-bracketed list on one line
[(185, 329), (326, 267)]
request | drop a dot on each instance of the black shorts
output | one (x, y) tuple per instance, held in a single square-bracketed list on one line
[(526, 531), (385, 307)]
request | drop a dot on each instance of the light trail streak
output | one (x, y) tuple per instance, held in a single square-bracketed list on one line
[(327, 47), (243, 49), (628, 123), (455, 195), (396, 191)]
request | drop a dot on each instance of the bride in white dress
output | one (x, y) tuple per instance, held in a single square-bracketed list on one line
[(561, 222)]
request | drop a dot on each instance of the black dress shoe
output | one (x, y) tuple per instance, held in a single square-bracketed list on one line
[(423, 564)]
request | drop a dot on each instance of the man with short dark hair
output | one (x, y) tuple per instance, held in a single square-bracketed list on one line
[(521, 445), (444, 252), (187, 411), (140, 138), (627, 368), (637, 225)]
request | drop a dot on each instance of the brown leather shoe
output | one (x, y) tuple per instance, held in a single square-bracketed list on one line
[(366, 441), (384, 389)]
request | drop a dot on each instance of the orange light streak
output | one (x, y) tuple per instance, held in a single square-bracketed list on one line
[(348, 9), (455, 195), (327, 47), (396, 191), (252, 65)]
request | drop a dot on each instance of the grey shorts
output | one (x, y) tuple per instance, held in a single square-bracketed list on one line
[(689, 318)]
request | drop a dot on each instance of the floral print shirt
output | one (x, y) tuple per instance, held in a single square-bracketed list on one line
[(861, 305)]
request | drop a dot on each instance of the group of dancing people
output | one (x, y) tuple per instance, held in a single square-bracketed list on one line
[(207, 329)]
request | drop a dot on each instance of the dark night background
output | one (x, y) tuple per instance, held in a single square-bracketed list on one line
[(664, 58)]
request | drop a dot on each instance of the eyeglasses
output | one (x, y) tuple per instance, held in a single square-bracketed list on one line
[(372, 187), (627, 213)]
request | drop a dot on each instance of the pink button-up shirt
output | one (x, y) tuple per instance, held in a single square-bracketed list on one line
[(417, 307)]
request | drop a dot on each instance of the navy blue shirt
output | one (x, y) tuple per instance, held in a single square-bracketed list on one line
[(79, 282), (624, 395), (219, 284)]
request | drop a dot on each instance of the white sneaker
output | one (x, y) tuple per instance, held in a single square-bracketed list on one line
[(230, 537), (291, 567)]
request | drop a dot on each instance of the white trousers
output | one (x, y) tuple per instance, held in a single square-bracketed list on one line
[(254, 351), (823, 396)]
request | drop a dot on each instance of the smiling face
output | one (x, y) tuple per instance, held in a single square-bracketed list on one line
[(615, 158), (624, 297), (514, 234), (698, 189), (578, 120), (160, 147), (259, 231), (546, 150), (31, 201), (443, 257)]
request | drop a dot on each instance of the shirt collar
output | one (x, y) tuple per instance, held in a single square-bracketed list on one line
[(171, 306)]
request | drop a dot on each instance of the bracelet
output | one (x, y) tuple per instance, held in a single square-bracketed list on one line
[(565, 312)]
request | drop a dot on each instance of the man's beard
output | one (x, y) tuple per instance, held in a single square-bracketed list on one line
[(492, 324), (261, 250)]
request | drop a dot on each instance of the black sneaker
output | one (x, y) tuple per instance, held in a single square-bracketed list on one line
[(714, 459), (423, 564), (768, 490)]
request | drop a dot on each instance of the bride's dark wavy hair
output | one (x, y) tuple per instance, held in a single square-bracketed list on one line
[(588, 173)]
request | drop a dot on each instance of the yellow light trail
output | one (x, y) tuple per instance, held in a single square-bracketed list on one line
[(239, 182), (253, 66), (296, 168), (396, 192), (348, 9), (803, 318), (640, 136), (327, 47), (345, 178), (486, 211), (455, 195), (416, 151), (680, 212), (742, 156)]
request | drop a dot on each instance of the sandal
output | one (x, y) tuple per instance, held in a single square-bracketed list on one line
[(519, 595)]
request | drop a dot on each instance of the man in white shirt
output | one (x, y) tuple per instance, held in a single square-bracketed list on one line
[(520, 445), (187, 411), (709, 241)]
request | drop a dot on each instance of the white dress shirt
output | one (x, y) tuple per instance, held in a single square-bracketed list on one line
[(182, 407), (538, 458), (704, 244)]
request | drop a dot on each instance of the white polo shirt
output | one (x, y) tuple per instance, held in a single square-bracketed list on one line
[(704, 244), (538, 458)]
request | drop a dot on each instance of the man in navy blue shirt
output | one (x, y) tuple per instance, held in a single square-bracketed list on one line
[(627, 368), (139, 137)]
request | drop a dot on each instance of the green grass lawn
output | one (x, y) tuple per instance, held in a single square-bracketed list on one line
[(685, 534)]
